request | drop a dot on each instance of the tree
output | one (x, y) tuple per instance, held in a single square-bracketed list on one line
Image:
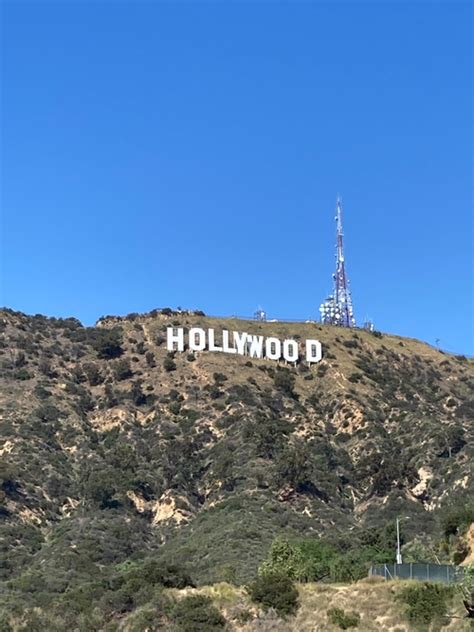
[(137, 396), (122, 369), (93, 373), (169, 364), (303, 560), (285, 381), (426, 602), (108, 343), (275, 591), (150, 359), (295, 467), (196, 613), (100, 487)]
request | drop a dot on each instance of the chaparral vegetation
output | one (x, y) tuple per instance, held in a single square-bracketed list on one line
[(142, 489)]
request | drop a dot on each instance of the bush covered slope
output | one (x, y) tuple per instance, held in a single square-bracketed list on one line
[(113, 450)]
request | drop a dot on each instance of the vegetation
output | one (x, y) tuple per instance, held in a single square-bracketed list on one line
[(197, 613), (116, 454), (426, 602), (275, 591), (343, 620)]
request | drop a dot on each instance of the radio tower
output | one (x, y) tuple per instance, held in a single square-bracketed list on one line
[(337, 308)]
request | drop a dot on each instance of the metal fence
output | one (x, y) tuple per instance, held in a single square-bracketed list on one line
[(445, 573)]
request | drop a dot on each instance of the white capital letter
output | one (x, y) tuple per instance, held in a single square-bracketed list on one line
[(212, 344), (197, 339), (172, 338), (290, 350), (272, 349), (314, 351), (256, 345), (225, 343), (239, 341)]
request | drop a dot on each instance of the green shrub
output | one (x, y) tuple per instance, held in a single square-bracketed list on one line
[(93, 373), (352, 565), (275, 591), (150, 359), (5, 623), (21, 374), (344, 620), (100, 487), (47, 413), (122, 369), (137, 396), (457, 520), (107, 343), (355, 377), (169, 364), (304, 560), (426, 602), (285, 382), (196, 613)]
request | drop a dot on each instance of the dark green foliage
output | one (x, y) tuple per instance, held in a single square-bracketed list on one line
[(295, 466), (46, 368), (93, 373), (4, 623), (22, 374), (285, 381), (275, 591), (122, 369), (306, 560), (47, 413), (426, 602), (219, 378), (41, 392), (354, 564), (9, 478), (150, 359), (322, 370), (169, 364), (456, 520), (84, 402), (355, 377), (137, 396), (267, 435), (342, 619), (455, 439), (20, 360), (140, 347), (310, 559), (350, 344), (101, 486), (107, 343), (196, 613)]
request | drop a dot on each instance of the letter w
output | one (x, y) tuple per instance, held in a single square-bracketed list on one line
[(256, 346)]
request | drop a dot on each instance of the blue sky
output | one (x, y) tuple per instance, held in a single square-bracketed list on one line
[(164, 154)]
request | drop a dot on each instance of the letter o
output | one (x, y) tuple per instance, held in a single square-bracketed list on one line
[(272, 349), (290, 350), (197, 339)]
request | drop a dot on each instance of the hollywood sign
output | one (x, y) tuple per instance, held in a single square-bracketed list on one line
[(242, 343)]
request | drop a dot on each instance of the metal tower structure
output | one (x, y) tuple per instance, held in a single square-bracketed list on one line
[(337, 308)]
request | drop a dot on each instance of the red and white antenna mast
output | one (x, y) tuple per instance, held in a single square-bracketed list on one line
[(337, 308)]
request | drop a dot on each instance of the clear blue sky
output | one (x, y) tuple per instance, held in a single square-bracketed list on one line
[(164, 154)]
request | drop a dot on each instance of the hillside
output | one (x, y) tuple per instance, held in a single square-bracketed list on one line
[(114, 450)]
